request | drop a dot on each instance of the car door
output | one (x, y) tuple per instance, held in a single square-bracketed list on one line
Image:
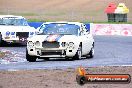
[(86, 44), (83, 39)]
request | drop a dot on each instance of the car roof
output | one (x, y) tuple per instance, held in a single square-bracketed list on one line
[(64, 22), (18, 17)]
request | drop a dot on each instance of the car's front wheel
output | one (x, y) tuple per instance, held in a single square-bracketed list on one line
[(46, 58), (91, 53), (30, 58), (78, 54)]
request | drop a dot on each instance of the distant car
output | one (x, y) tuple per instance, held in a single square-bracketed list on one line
[(70, 40), (15, 29)]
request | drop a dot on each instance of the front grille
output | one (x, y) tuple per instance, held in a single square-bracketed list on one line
[(22, 34), (51, 53), (46, 44)]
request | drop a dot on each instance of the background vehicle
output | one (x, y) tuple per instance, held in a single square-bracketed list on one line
[(0, 38), (61, 39), (15, 29)]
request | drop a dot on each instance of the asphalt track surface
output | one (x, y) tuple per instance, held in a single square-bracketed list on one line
[(109, 51)]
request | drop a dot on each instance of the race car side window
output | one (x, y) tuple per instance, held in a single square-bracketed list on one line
[(86, 29), (82, 30)]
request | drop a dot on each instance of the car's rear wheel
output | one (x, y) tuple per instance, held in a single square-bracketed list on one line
[(30, 58), (78, 54), (91, 53)]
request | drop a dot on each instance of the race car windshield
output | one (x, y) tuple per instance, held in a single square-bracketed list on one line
[(61, 28), (13, 21)]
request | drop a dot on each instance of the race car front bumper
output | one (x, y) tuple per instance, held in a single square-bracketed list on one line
[(15, 40), (52, 52)]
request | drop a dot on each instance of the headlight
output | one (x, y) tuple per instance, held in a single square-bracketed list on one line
[(30, 44), (37, 43), (71, 45), (37, 32)]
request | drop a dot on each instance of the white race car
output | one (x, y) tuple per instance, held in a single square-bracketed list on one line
[(15, 29), (70, 40)]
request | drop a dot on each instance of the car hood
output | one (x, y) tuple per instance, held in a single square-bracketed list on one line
[(50, 38), (17, 28)]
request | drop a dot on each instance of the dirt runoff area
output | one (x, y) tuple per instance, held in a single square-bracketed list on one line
[(58, 78)]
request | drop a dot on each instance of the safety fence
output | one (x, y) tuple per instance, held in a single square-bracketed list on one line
[(112, 29)]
